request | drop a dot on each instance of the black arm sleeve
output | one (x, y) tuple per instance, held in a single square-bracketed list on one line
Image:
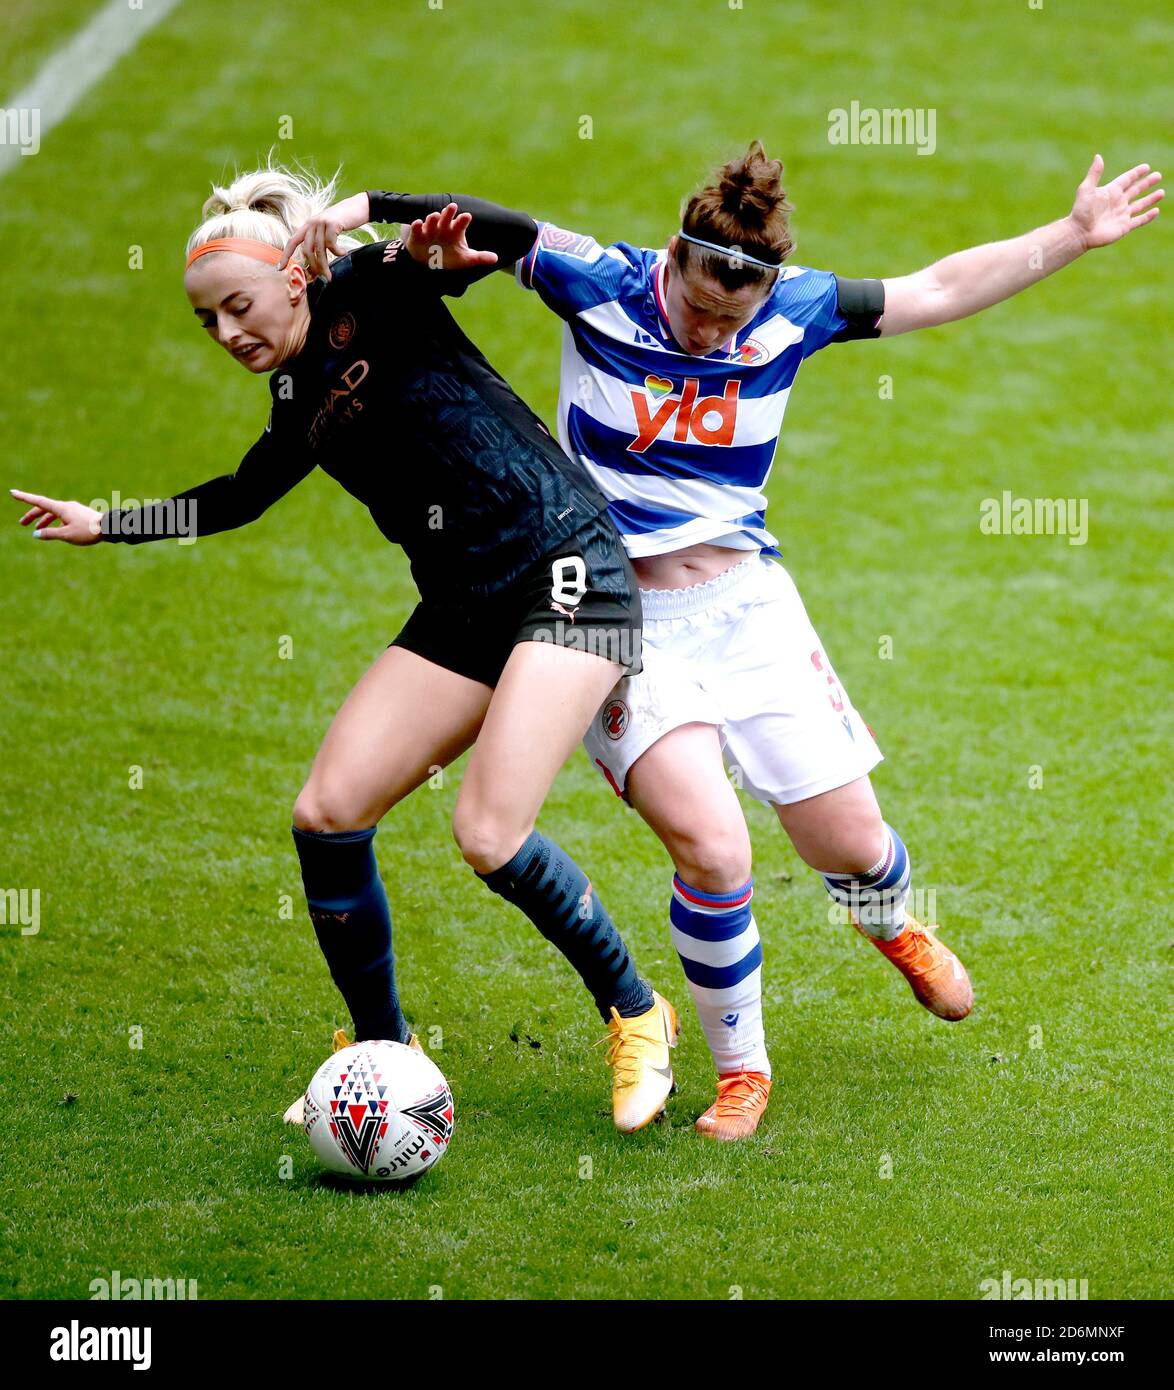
[(507, 233), (861, 302), (266, 473)]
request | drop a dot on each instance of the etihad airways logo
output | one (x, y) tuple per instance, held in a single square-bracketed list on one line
[(708, 420), (340, 404)]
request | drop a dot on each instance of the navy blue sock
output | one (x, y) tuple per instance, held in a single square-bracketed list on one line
[(550, 888), (351, 920)]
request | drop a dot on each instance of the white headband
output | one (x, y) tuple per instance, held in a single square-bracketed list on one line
[(733, 253)]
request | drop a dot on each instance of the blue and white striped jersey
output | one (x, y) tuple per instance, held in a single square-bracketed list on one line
[(681, 446)]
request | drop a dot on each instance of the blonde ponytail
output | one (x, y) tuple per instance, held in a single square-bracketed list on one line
[(268, 205)]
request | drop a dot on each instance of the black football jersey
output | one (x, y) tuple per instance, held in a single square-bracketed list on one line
[(389, 397)]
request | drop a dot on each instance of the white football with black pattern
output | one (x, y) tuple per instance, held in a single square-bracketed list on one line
[(379, 1112)]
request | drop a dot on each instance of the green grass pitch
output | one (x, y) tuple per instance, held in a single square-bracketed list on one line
[(900, 1157)]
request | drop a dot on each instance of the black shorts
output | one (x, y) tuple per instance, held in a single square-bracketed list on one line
[(582, 594)]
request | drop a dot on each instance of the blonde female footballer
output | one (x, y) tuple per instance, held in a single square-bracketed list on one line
[(529, 610)]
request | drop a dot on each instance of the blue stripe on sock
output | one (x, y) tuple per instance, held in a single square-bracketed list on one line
[(722, 976), (894, 876), (844, 889), (713, 899), (709, 926), (874, 883)]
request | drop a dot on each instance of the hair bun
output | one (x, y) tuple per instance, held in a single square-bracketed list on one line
[(750, 187), (744, 206)]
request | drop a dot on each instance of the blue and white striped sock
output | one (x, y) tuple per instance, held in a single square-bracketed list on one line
[(877, 899), (717, 939)]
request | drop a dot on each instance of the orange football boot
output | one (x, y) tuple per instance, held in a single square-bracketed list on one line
[(936, 976), (741, 1100)]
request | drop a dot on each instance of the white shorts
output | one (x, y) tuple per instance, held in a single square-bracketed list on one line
[(738, 652)]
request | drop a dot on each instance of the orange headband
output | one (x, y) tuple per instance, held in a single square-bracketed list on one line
[(243, 246)]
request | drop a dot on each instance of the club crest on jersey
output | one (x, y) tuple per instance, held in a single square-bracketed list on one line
[(615, 718), (708, 420), (342, 330), (751, 353)]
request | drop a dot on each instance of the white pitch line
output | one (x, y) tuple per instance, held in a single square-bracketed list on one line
[(70, 73)]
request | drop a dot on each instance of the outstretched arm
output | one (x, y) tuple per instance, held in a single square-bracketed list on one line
[(266, 472), (443, 231), (495, 235), (972, 280)]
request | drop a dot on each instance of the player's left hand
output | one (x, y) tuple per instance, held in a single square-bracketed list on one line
[(1104, 215), (54, 520), (438, 241)]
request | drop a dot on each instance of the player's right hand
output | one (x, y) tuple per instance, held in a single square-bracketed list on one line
[(438, 241), (79, 524)]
